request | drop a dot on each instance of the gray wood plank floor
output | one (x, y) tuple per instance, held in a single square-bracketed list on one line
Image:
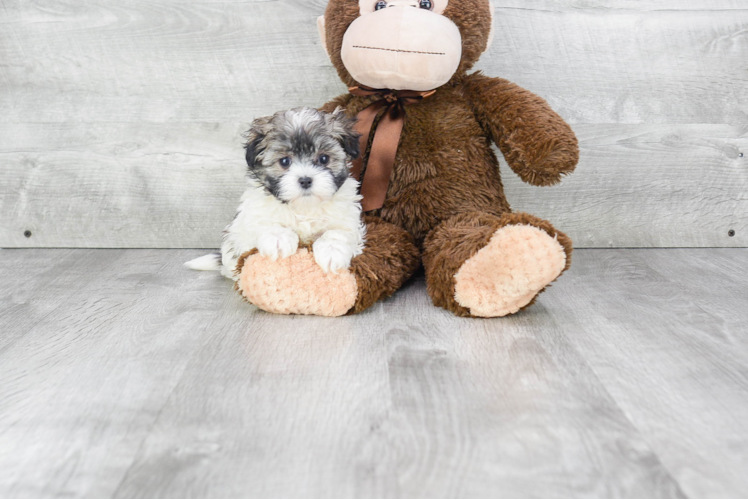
[(122, 374)]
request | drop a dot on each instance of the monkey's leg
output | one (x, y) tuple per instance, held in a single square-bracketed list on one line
[(297, 285), (389, 259), (479, 264)]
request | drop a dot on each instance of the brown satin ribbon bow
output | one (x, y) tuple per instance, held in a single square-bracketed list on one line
[(386, 138)]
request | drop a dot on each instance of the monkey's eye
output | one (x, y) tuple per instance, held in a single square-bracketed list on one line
[(381, 4), (285, 162), (425, 4), (323, 159)]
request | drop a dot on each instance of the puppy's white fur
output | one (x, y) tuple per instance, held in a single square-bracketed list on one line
[(333, 226), (275, 229)]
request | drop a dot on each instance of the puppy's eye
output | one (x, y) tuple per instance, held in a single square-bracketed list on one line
[(381, 4), (425, 4), (323, 159), (285, 162)]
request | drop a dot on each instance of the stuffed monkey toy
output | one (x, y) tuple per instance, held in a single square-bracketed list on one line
[(429, 178)]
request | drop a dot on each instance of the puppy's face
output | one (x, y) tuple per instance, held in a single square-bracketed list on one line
[(302, 154)]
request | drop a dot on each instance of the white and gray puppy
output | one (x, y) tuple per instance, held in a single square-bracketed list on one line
[(299, 191)]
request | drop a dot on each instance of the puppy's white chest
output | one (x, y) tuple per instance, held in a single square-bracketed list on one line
[(309, 224), (309, 236)]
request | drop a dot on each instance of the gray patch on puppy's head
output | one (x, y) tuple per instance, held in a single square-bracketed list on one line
[(302, 143)]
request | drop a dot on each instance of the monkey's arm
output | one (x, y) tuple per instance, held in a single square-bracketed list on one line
[(537, 143)]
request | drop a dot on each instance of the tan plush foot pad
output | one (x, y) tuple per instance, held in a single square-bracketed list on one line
[(296, 285), (505, 275)]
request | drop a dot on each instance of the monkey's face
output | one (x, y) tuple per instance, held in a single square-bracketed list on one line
[(405, 44)]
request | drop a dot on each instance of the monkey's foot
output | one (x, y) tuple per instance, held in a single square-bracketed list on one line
[(296, 285), (507, 274)]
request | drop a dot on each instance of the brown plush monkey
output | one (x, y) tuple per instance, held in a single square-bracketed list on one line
[(433, 195)]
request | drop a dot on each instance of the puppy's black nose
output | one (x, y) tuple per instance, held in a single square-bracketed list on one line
[(306, 182)]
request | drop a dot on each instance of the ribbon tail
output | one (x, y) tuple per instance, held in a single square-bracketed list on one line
[(382, 158), (364, 122)]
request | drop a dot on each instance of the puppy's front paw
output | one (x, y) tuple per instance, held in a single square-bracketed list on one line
[(332, 252), (277, 242)]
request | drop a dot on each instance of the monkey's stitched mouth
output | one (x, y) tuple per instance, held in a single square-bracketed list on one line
[(399, 50)]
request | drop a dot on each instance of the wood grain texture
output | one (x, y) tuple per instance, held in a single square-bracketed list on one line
[(24, 306), (88, 374), (626, 379), (665, 333), (130, 185), (120, 124), (177, 185), (404, 401), (662, 62)]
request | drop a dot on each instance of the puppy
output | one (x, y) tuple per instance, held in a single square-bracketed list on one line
[(299, 191)]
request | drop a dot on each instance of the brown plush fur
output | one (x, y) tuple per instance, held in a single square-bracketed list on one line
[(536, 143), (445, 187), (391, 257), (459, 238)]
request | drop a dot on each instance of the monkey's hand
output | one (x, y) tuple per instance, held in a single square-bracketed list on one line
[(537, 143)]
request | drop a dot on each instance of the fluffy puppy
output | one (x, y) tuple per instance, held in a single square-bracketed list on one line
[(299, 191)]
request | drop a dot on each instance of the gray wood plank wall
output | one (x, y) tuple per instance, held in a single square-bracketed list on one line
[(121, 122)]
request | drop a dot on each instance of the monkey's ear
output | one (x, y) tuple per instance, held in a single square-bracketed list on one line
[(342, 126), (322, 34), (255, 135)]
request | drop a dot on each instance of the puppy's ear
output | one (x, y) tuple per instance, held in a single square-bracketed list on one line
[(255, 135), (343, 131)]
